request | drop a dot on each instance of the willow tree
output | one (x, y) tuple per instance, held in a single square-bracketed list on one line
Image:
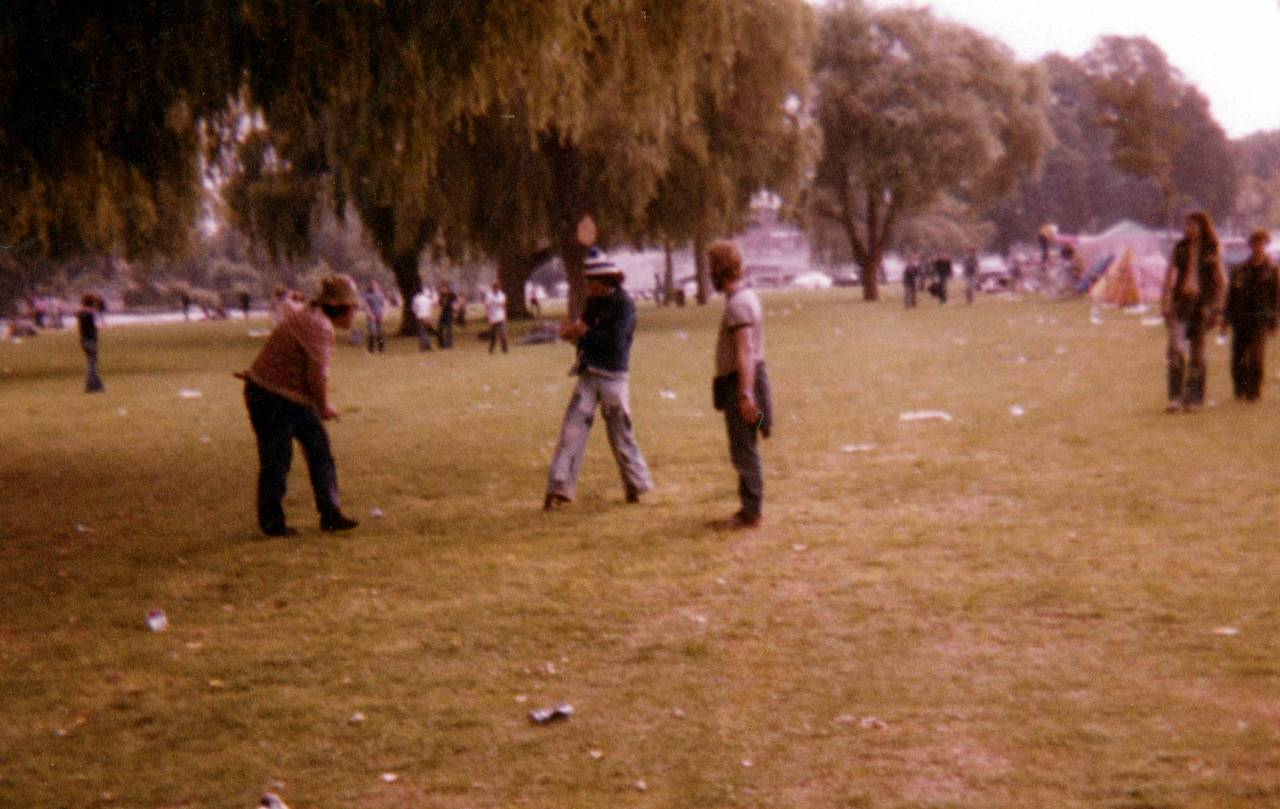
[(746, 133), (98, 126), (911, 108)]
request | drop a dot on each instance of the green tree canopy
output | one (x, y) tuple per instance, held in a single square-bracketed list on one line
[(912, 108)]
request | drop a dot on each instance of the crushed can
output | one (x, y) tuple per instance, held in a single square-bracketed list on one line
[(157, 620), (545, 716)]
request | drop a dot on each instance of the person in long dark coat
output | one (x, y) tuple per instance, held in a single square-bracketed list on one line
[(1195, 290), (1252, 299)]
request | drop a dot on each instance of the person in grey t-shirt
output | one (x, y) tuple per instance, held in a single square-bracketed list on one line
[(741, 386)]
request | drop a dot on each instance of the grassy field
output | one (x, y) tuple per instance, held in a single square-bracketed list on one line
[(1074, 607)]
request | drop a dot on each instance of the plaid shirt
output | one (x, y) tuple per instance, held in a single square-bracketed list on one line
[(303, 340)]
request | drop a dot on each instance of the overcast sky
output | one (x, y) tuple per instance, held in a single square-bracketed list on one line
[(1229, 48)]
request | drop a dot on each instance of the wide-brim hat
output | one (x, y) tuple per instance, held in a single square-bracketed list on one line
[(599, 265), (337, 290)]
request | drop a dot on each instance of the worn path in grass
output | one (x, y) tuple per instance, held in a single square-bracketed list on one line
[(1073, 607)]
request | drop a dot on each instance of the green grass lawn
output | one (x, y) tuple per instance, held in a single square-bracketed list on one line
[(998, 611)]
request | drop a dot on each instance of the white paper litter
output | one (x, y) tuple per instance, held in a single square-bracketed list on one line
[(852, 448), (1017, 411), (376, 513), (667, 394), (189, 393), (157, 620), (258, 332), (357, 718), (926, 415), (1227, 631), (389, 777)]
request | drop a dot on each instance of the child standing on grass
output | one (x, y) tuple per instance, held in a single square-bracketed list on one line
[(91, 307)]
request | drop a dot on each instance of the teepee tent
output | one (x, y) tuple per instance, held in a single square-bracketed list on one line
[(1146, 254)]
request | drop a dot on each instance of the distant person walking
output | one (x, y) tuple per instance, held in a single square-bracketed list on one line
[(448, 303), (970, 276), (495, 314), (910, 282), (91, 307), (941, 279), (741, 385), (422, 310), (604, 334), (245, 302), (375, 306), (1252, 300), (1195, 287), (286, 392)]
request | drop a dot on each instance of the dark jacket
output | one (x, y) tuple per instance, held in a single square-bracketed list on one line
[(87, 320), (611, 325), (1253, 296), (1198, 307)]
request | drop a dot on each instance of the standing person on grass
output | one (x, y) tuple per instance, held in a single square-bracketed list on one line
[(495, 313), (741, 385), (91, 307), (286, 391), (603, 334), (447, 301), (1252, 300), (422, 306), (375, 305), (1195, 288)]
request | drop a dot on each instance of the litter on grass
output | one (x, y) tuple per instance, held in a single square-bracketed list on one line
[(545, 716), (1152, 322), (1227, 631), (157, 620), (189, 393), (872, 723), (272, 801), (667, 394), (1017, 411), (376, 513), (641, 786), (389, 777), (258, 332), (852, 448), (926, 415), (357, 718), (596, 755)]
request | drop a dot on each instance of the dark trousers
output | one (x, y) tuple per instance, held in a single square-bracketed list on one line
[(1248, 349), (377, 338), (909, 295), (498, 331), (1186, 362), (445, 332), (744, 451), (92, 382), (424, 335), (276, 423)]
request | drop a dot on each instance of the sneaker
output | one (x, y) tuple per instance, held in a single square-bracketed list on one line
[(555, 502), (337, 521)]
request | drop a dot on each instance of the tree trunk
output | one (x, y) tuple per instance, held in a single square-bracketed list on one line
[(700, 267), (668, 289), (514, 270), (405, 268), (569, 209)]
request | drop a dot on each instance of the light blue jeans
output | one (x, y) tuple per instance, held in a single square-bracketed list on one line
[(612, 396)]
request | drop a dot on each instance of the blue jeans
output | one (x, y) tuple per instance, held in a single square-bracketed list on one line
[(276, 423), (744, 452), (612, 396), (92, 382)]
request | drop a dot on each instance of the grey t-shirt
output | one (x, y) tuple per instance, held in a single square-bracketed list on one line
[(741, 311)]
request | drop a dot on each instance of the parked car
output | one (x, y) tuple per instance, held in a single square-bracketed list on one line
[(812, 280)]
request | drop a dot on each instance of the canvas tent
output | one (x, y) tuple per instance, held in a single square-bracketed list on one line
[(1130, 262)]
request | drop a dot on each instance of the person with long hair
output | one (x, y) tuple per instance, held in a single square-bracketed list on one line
[(1194, 294)]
